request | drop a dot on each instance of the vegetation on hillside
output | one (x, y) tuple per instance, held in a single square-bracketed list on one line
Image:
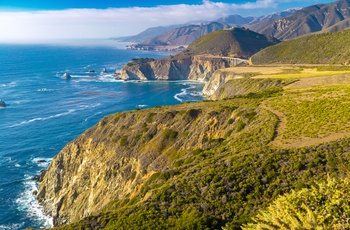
[(327, 48), (250, 87), (236, 42), (323, 206), (238, 171), (325, 110), (137, 61)]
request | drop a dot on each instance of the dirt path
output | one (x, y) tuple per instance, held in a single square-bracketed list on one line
[(300, 141)]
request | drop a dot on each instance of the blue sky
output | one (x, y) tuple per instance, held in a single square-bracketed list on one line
[(103, 4), (69, 19)]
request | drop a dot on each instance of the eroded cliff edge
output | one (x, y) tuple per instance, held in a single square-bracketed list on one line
[(198, 67)]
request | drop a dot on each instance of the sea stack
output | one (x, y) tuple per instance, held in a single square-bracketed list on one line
[(66, 76), (2, 104)]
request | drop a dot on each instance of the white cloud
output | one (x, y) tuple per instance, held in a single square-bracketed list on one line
[(104, 23)]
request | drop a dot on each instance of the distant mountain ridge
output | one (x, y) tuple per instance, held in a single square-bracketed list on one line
[(288, 24), (180, 35), (186, 34), (147, 34), (237, 20), (315, 18)]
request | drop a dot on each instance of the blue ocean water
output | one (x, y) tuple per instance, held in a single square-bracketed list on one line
[(44, 112)]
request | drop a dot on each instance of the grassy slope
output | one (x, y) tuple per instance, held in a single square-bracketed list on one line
[(234, 42), (243, 169), (331, 48)]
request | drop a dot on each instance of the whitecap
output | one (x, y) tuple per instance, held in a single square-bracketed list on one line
[(89, 106), (43, 118), (177, 96), (44, 90), (11, 226), (42, 161), (107, 78), (27, 203), (142, 106), (80, 76), (184, 92)]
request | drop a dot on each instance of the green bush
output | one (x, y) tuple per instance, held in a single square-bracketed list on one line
[(240, 126), (123, 141), (323, 206), (169, 134)]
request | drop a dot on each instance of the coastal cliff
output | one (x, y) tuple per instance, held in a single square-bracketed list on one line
[(197, 67), (124, 153), (231, 82), (210, 164)]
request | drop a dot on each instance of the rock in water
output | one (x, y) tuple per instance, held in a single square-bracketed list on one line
[(2, 104), (104, 70), (66, 76)]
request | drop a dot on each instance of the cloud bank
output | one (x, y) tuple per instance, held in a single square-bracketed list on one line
[(112, 22)]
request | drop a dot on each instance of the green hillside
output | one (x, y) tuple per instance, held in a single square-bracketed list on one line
[(220, 163), (236, 42), (328, 48)]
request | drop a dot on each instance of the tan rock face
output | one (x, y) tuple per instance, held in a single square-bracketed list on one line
[(84, 177), (113, 159), (190, 68)]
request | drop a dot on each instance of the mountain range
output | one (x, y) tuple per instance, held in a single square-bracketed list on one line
[(283, 25), (178, 35), (316, 18)]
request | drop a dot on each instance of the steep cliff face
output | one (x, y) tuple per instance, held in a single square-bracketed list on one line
[(112, 160), (218, 78), (239, 81), (199, 67)]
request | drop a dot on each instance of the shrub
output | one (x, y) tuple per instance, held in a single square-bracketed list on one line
[(123, 141), (240, 126), (169, 134), (324, 206)]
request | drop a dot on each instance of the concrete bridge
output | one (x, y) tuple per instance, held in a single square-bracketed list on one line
[(232, 60)]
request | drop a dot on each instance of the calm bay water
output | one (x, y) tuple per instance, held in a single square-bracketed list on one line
[(44, 112)]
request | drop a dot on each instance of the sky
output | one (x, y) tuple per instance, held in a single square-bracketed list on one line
[(38, 20)]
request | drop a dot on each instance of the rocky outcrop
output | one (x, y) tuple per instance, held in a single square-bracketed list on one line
[(199, 67), (2, 104), (218, 78), (228, 83), (66, 76)]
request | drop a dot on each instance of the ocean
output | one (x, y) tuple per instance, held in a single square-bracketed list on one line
[(44, 112)]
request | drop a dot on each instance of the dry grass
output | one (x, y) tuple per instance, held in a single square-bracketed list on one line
[(311, 116), (287, 72)]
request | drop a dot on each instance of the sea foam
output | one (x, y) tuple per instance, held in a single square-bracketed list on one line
[(27, 203)]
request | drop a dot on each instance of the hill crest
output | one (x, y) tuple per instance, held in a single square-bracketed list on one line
[(324, 48)]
